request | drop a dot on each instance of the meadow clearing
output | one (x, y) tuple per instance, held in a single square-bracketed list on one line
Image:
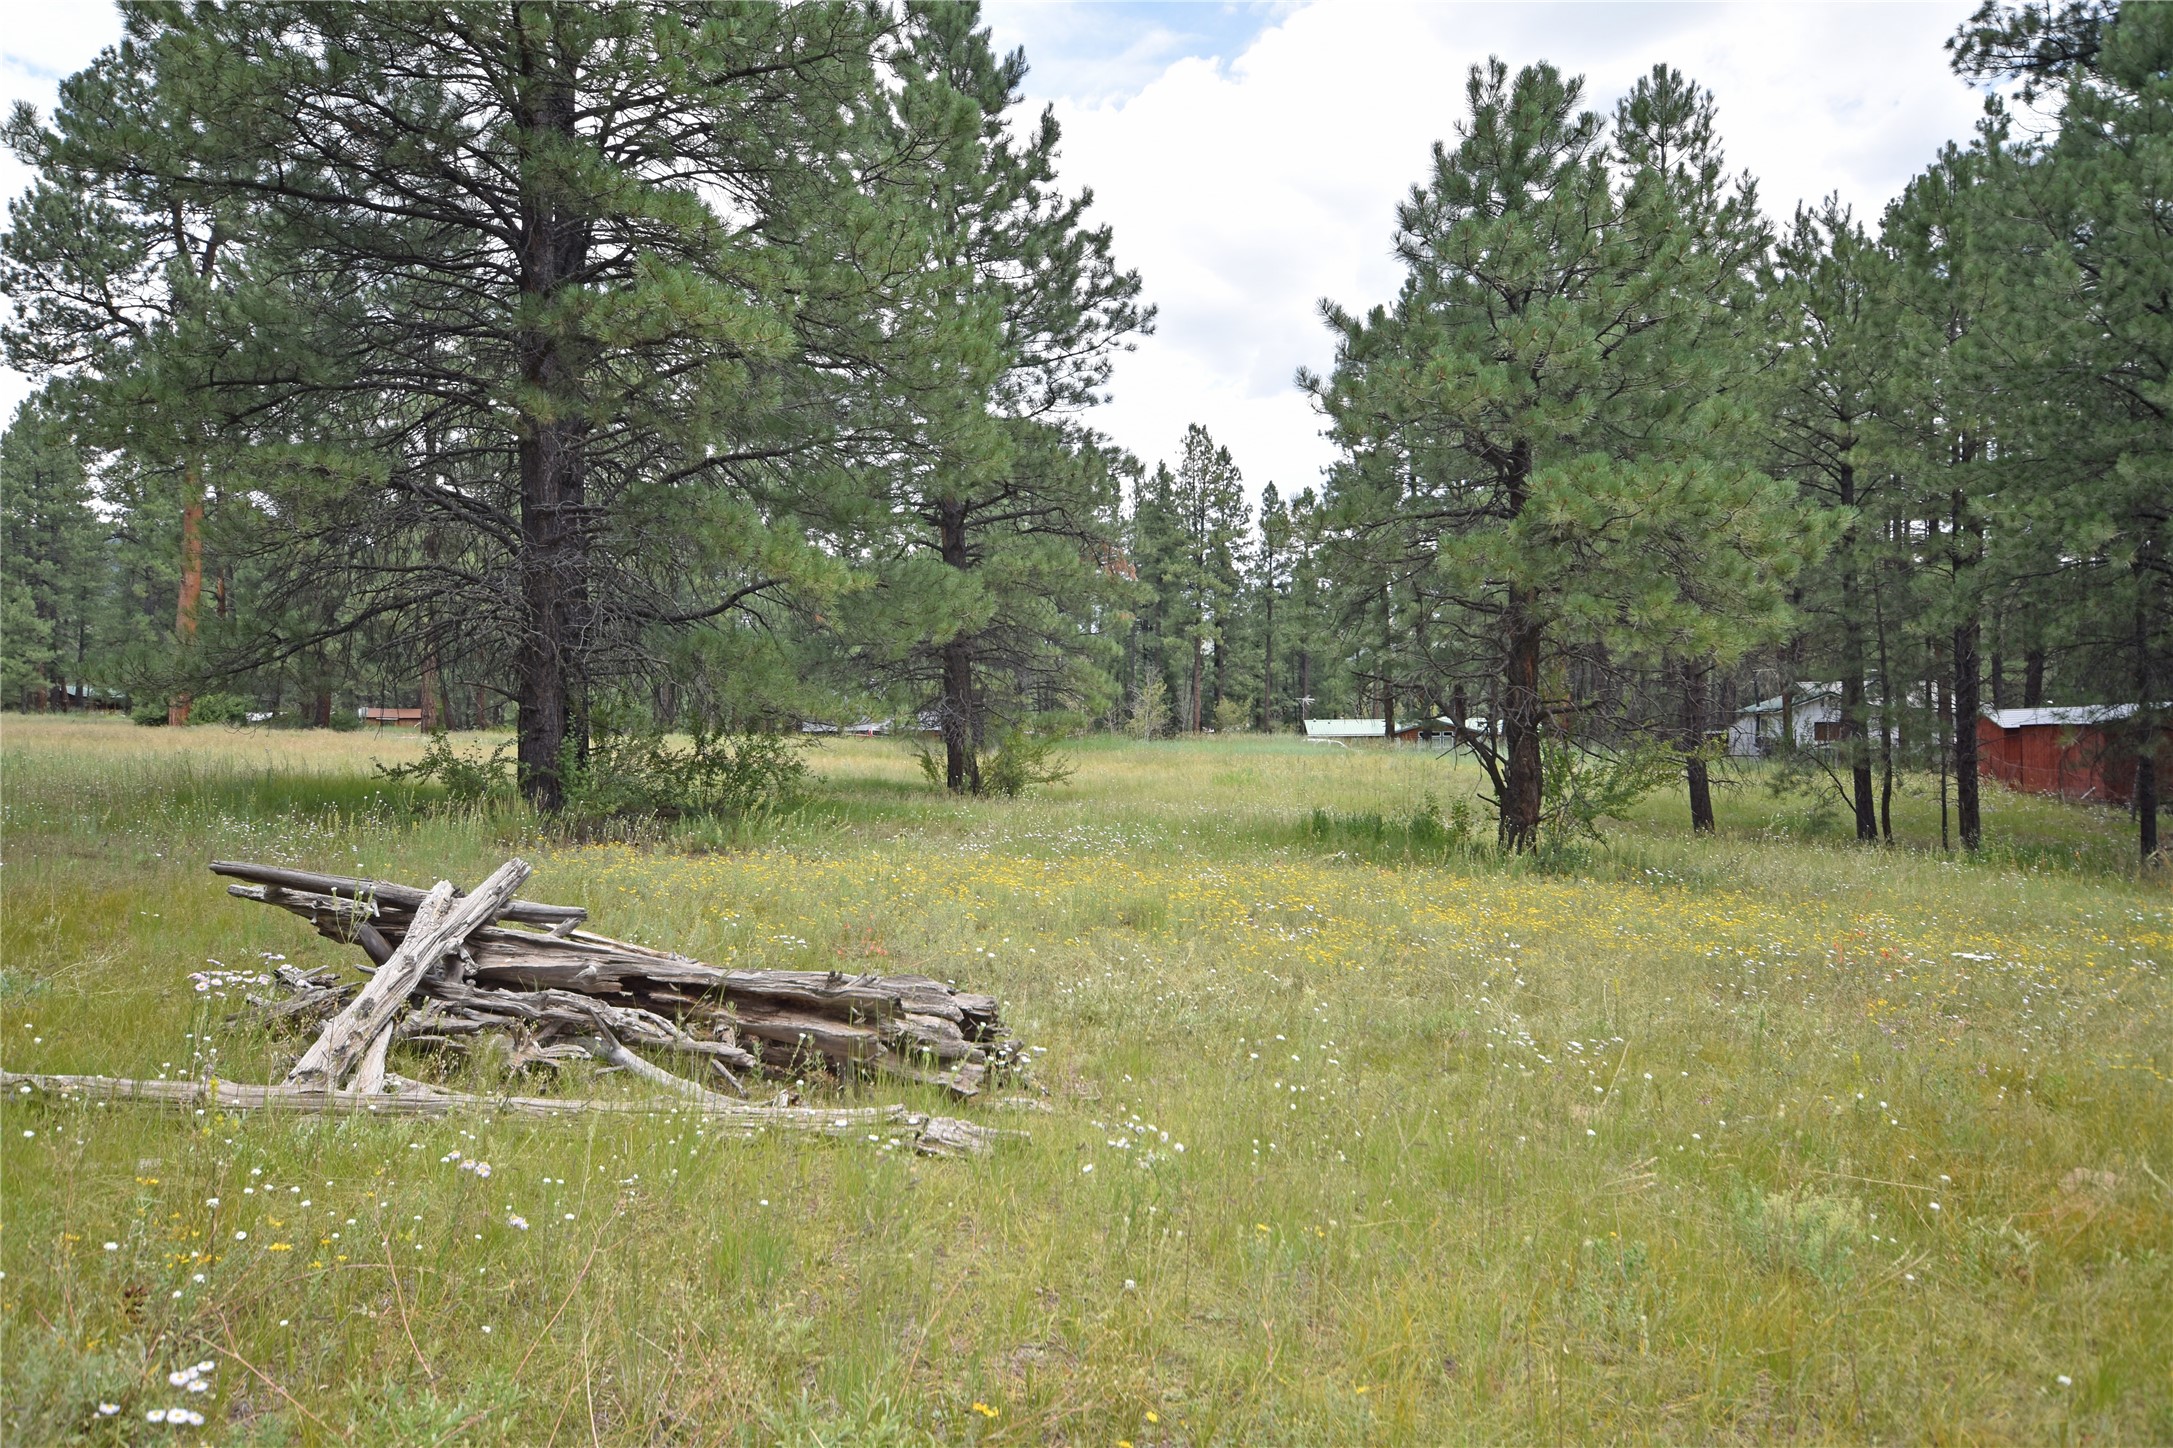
[(1354, 1134)]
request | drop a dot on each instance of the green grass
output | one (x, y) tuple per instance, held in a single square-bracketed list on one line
[(1643, 1142)]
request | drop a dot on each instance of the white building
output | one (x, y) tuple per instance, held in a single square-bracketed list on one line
[(1813, 709)]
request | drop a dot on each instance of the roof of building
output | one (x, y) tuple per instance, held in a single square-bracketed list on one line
[(2065, 716), (1804, 694), (1348, 728)]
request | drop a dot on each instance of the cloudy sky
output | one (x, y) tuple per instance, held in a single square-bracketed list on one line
[(1250, 156)]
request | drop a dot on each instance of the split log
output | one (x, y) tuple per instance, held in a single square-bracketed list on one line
[(388, 895), (931, 1135), (439, 926)]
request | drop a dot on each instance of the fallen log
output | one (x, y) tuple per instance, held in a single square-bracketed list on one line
[(931, 1135)]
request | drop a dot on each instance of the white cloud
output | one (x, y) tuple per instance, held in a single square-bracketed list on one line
[(1246, 187)]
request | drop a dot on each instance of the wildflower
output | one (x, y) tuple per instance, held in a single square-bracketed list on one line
[(984, 1410), (107, 1410), (2066, 1381), (113, 1246)]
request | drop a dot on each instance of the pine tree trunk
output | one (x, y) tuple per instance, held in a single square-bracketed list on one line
[(1267, 670), (1520, 805), (192, 585), (2033, 678), (1968, 822), (433, 694), (2146, 695), (1855, 714), (961, 727), (554, 552), (2146, 804), (1192, 698), (961, 719), (1692, 744), (1522, 634)]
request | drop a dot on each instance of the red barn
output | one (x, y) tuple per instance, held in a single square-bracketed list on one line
[(2073, 752)]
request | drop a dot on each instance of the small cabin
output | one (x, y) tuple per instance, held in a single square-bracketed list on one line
[(390, 718), (2072, 751), (1813, 711)]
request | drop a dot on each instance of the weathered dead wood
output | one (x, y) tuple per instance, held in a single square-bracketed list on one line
[(354, 1028), (439, 927), (607, 1049), (387, 894), (370, 1075), (909, 1027), (932, 1135)]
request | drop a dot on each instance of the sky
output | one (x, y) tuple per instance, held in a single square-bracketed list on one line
[(1249, 157)]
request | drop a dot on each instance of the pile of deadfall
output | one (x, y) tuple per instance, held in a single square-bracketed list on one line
[(459, 970)]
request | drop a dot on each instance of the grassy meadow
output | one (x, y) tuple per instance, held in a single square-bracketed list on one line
[(1354, 1133)]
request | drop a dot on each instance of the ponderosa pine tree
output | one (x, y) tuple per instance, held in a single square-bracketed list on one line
[(1550, 397), (1835, 326), (998, 518), (1954, 361), (1188, 526), (55, 564), (577, 287), (2084, 270)]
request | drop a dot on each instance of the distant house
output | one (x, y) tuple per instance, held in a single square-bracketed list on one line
[(1813, 709), (1408, 731), (2070, 751), (1339, 730), (391, 718)]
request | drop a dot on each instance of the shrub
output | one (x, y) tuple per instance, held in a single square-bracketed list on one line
[(1150, 711), (466, 779), (1815, 1234), (637, 773), (1023, 760), (1582, 787), (219, 709)]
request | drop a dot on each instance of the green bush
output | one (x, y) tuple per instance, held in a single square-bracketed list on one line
[(1583, 787), (150, 715), (219, 709), (639, 774), (1021, 761), (467, 780)]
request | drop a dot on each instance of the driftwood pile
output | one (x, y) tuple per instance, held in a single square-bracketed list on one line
[(453, 969)]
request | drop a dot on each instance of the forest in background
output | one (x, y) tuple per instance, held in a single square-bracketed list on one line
[(601, 371)]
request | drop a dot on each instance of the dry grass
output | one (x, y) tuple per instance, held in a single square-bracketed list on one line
[(1644, 1146)]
